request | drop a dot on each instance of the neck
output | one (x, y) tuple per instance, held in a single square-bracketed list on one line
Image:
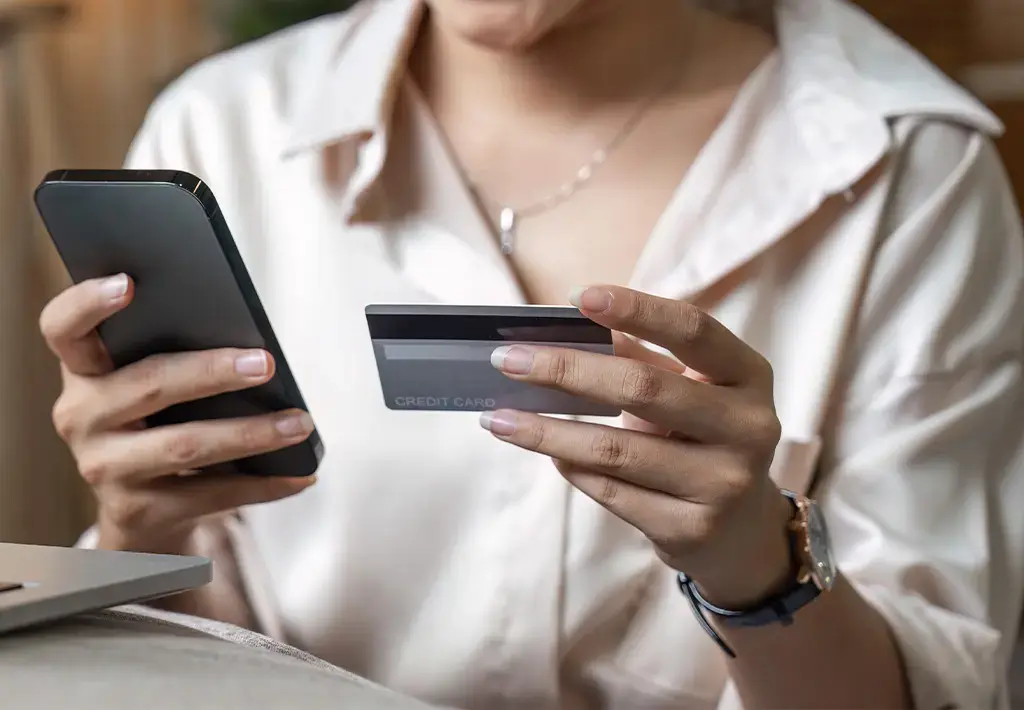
[(611, 53)]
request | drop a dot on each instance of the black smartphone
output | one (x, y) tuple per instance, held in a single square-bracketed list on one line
[(192, 291)]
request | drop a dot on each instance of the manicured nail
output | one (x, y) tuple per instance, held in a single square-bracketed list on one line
[(592, 299), (294, 485), (513, 359), (252, 364), (115, 288), (293, 425), (498, 423)]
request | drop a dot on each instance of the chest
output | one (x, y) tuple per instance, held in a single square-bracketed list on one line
[(596, 238), (583, 216)]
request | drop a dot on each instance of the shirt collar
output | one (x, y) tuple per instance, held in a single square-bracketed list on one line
[(846, 79), (352, 86)]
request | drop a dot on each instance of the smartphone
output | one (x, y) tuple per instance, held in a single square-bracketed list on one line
[(192, 291), (437, 357)]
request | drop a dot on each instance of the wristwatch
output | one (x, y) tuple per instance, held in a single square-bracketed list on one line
[(815, 573)]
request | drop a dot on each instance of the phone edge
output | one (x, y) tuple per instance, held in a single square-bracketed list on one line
[(203, 194)]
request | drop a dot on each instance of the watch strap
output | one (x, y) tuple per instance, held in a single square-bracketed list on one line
[(689, 590), (777, 609)]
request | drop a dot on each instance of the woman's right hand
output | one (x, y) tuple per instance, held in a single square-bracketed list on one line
[(148, 501)]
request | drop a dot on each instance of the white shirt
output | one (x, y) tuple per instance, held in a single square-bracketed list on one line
[(849, 219)]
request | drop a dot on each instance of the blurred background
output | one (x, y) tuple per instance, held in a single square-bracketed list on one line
[(75, 80)]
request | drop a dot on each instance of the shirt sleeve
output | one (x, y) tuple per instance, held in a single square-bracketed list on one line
[(923, 473), (166, 139)]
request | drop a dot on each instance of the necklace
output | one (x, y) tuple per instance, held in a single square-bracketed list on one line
[(509, 216)]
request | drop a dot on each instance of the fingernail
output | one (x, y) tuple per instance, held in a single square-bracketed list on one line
[(498, 423), (115, 288), (513, 359), (293, 425), (592, 299), (251, 364)]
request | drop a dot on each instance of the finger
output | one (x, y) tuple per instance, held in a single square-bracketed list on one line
[(629, 347), (200, 496), (176, 501), (696, 410), (687, 471), (69, 321), (136, 456), (158, 382), (665, 520), (635, 423), (693, 336)]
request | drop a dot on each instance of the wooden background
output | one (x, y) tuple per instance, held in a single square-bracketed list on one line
[(72, 94), (87, 85)]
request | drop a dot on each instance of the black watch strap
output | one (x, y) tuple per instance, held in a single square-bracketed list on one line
[(778, 609)]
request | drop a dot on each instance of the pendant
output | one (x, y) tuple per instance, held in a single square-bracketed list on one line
[(507, 226)]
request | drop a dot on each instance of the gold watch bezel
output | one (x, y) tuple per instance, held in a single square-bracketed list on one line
[(799, 527)]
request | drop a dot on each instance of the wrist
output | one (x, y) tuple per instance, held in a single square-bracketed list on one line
[(762, 567), (176, 541)]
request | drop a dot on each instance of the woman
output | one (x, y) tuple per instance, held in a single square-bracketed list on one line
[(816, 197)]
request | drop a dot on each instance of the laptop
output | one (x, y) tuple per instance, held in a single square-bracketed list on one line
[(41, 584)]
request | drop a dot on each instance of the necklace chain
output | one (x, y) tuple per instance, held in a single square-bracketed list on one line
[(509, 216)]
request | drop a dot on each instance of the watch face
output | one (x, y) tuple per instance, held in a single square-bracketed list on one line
[(820, 548)]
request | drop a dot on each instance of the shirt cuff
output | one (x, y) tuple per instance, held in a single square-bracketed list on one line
[(951, 661), (89, 539)]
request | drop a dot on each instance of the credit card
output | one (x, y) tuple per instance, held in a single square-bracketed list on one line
[(438, 357)]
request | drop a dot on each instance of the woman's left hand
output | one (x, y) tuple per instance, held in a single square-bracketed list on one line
[(690, 467)]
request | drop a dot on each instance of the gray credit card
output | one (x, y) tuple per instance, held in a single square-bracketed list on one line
[(438, 357)]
